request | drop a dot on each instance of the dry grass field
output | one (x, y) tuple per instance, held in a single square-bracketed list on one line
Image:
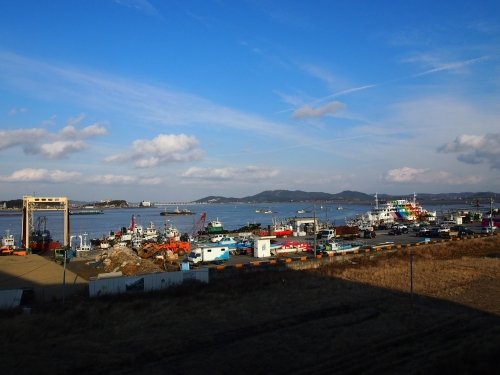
[(357, 317)]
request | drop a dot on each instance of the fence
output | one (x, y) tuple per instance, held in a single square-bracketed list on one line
[(144, 283)]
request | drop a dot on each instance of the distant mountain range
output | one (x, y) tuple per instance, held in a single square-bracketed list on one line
[(347, 196), (279, 196)]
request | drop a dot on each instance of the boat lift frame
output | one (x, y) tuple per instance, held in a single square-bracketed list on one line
[(31, 204)]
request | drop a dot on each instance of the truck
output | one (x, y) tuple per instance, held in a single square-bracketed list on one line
[(208, 254), (347, 231), (60, 253), (327, 234)]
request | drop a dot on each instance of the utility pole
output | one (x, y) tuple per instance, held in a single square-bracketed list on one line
[(64, 277), (411, 276), (314, 229), (491, 215)]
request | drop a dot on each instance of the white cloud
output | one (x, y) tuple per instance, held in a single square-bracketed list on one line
[(93, 131), (74, 121), (405, 174), (51, 145), (328, 109), (11, 138), (59, 176), (15, 111), (115, 179), (42, 175), (249, 173), (476, 149), (464, 142), (163, 149), (112, 179), (60, 149), (70, 132), (409, 175)]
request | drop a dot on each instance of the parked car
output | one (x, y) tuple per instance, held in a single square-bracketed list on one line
[(488, 229), (435, 232), (424, 232), (395, 231), (462, 231), (369, 234), (401, 228)]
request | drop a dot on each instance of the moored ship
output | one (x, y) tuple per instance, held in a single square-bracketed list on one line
[(391, 211), (86, 212), (177, 211), (41, 239), (215, 226)]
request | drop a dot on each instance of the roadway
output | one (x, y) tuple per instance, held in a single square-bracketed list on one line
[(382, 239)]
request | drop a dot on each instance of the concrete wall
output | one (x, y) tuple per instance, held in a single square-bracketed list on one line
[(144, 283)]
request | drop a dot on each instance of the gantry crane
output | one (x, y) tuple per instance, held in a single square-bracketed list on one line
[(31, 204)]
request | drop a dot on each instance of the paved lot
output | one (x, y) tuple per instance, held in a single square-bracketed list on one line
[(38, 274), (382, 237)]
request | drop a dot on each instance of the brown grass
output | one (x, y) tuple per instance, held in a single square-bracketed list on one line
[(343, 318)]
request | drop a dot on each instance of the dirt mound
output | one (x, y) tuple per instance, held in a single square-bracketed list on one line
[(126, 260)]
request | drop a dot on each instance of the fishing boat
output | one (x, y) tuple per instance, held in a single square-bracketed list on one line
[(177, 211), (83, 247), (150, 233), (8, 243), (215, 226), (339, 247), (170, 232), (41, 239), (229, 242), (281, 229), (296, 245)]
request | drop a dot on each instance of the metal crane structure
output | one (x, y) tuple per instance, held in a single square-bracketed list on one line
[(199, 225), (31, 204)]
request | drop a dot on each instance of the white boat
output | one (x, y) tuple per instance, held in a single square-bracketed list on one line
[(339, 247), (150, 233), (8, 242), (395, 210), (84, 246), (171, 232), (229, 242)]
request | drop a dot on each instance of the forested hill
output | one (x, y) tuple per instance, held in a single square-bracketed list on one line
[(348, 196)]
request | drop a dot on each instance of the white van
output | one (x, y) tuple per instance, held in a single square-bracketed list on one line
[(327, 234)]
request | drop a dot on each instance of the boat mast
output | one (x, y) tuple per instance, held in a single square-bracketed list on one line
[(376, 201)]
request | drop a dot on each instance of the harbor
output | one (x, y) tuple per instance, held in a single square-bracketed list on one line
[(226, 235)]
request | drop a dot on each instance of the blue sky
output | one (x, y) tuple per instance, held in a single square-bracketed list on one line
[(177, 100)]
